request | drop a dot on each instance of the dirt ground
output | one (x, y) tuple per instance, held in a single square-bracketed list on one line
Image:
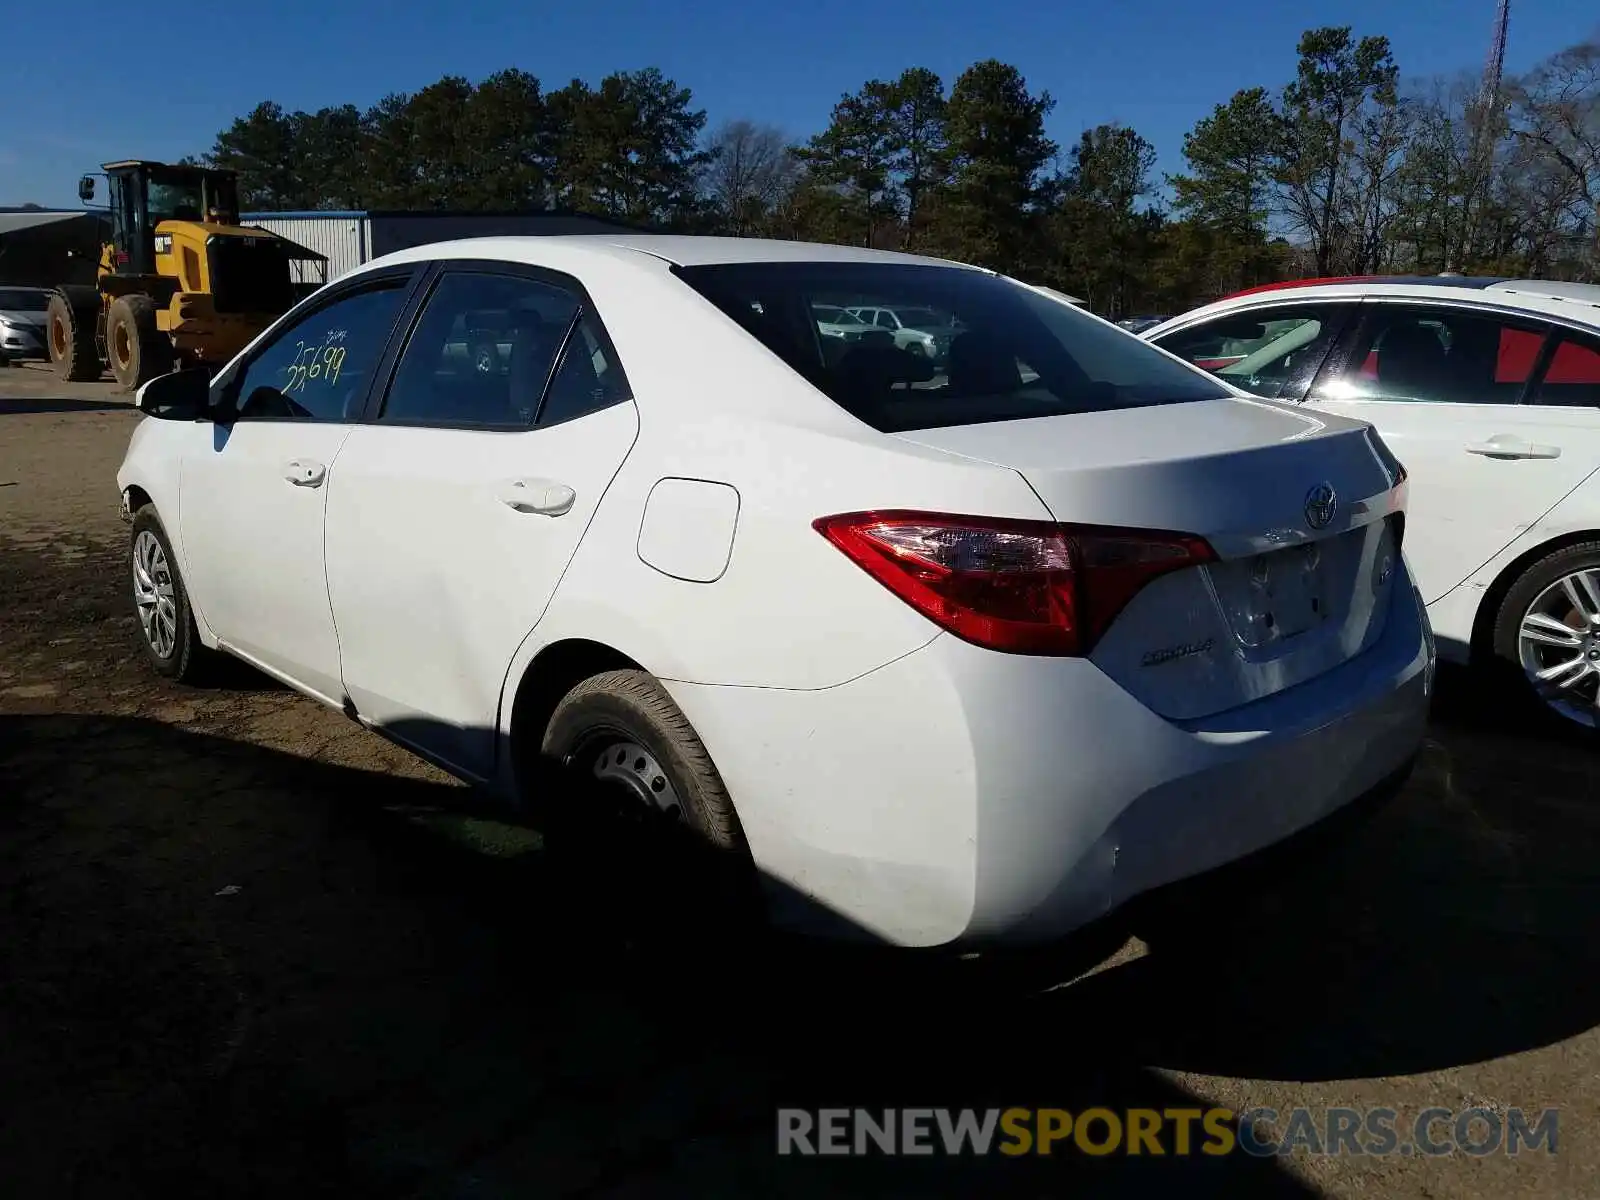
[(249, 949)]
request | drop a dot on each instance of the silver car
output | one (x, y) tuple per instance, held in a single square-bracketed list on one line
[(22, 322)]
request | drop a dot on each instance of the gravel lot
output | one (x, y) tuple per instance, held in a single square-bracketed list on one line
[(249, 949)]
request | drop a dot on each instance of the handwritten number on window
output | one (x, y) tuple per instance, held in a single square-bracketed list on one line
[(319, 361)]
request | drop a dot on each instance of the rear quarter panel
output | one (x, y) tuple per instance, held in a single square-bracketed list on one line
[(789, 611)]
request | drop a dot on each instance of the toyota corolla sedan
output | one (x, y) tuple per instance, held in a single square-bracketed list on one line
[(942, 659)]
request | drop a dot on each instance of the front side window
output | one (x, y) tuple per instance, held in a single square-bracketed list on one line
[(1273, 353), (1425, 355), (482, 352), (1005, 353), (318, 369)]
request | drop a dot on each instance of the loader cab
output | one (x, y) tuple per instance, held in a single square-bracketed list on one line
[(143, 194)]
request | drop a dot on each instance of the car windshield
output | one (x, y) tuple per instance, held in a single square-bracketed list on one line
[(23, 300), (922, 318), (1013, 354)]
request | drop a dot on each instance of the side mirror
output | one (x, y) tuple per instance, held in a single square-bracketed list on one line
[(180, 396), (86, 188)]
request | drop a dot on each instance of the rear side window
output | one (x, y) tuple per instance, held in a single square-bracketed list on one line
[(1424, 355), (1573, 377), (987, 349), (482, 352)]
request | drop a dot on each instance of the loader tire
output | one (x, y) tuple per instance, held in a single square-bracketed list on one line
[(137, 349), (70, 334)]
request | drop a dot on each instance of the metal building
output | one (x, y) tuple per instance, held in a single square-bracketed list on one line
[(349, 239), (45, 247)]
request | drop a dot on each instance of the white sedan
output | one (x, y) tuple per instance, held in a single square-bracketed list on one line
[(940, 660), (1489, 391)]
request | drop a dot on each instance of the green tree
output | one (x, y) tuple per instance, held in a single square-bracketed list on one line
[(628, 149), (855, 155), (508, 114), (1231, 156), (1101, 235), (988, 209), (1337, 80), (260, 146), (916, 111)]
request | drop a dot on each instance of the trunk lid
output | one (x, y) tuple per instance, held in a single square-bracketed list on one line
[(1304, 578)]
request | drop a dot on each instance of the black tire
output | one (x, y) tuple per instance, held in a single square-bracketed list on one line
[(70, 338), (187, 660), (701, 854), (138, 351), (1506, 666)]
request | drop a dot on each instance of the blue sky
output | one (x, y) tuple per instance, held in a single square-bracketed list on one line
[(1158, 65)]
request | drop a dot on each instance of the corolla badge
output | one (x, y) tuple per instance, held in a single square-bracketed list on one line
[(1322, 503)]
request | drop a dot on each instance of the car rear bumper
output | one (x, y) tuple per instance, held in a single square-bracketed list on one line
[(959, 796)]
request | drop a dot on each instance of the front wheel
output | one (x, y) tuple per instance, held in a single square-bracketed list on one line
[(138, 350), (636, 768), (1549, 627), (166, 622)]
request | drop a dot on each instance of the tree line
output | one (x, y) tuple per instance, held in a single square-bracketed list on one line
[(1340, 170)]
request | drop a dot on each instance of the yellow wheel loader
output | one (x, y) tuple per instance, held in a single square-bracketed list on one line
[(181, 284)]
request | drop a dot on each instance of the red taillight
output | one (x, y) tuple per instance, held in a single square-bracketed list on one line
[(1027, 587)]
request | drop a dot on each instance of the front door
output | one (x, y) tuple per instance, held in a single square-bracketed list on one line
[(454, 512), (1492, 439), (253, 494)]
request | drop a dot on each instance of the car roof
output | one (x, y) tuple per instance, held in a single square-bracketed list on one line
[(1574, 301), (684, 250)]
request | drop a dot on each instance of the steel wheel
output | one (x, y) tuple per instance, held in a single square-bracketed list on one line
[(1559, 645), (630, 769), (155, 594)]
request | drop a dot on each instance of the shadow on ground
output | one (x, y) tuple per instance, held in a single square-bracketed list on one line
[(232, 971), (20, 405)]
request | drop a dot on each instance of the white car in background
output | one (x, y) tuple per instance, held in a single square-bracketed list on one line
[(1488, 390), (954, 660)]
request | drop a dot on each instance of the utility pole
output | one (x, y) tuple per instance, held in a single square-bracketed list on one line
[(1483, 114)]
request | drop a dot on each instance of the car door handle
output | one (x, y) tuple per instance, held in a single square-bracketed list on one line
[(302, 472), (543, 496), (1504, 446)]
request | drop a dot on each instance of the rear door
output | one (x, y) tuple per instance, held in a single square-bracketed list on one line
[(1449, 388), (458, 503)]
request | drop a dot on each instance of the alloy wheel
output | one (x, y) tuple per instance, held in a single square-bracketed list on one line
[(1559, 644), (155, 594)]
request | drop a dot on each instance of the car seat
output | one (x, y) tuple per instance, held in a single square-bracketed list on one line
[(1412, 362), (981, 364)]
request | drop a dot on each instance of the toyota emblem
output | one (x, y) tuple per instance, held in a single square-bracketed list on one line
[(1322, 502)]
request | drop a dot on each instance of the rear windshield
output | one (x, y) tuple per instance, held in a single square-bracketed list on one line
[(22, 300), (1002, 352)]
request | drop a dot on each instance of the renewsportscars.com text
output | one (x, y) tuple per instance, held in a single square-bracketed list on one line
[(1261, 1132)]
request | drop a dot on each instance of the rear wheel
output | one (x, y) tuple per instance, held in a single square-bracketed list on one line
[(634, 770), (1548, 631), (70, 334), (137, 349)]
